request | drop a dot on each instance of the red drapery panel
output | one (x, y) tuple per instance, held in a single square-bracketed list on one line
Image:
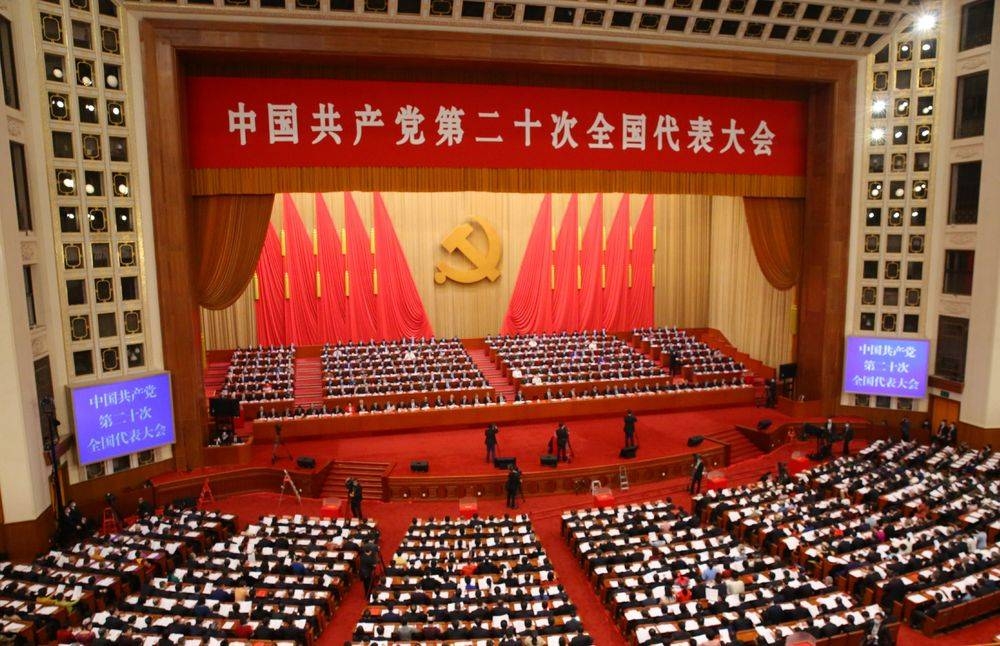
[(333, 322), (530, 307), (230, 231), (591, 259), (565, 298), (270, 304), (616, 270), (400, 311), (640, 294), (302, 305), (776, 233), (361, 307)]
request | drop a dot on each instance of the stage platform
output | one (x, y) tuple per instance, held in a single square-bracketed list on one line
[(456, 456)]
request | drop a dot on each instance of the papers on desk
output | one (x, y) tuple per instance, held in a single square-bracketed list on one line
[(711, 595)]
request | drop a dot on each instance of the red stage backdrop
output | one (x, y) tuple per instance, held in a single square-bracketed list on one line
[(268, 122)]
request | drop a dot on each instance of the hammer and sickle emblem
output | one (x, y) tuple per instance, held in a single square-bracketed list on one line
[(484, 263)]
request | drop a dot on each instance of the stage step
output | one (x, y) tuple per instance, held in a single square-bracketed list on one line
[(308, 387), (369, 474), (740, 448), (501, 384)]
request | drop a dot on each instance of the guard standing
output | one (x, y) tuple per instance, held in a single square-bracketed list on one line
[(697, 471), (354, 496), (630, 420), (562, 442), (513, 486), (491, 442)]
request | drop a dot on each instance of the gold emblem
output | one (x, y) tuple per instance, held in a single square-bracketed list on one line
[(484, 263)]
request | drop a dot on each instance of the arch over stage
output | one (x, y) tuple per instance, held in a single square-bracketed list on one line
[(171, 49)]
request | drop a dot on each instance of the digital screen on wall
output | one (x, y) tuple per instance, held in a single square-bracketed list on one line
[(120, 417), (889, 367)]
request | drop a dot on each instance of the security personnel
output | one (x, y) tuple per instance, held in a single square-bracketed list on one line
[(630, 420)]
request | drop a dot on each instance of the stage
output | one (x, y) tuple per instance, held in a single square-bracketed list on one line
[(456, 456)]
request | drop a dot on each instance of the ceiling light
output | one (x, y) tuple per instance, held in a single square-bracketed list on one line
[(68, 182), (878, 134), (926, 21), (878, 107), (926, 47), (900, 192), (902, 106)]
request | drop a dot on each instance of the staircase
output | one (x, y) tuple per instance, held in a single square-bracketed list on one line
[(308, 386), (740, 448), (501, 384), (369, 474), (215, 376)]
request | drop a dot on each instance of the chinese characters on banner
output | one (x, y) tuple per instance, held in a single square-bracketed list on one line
[(240, 123), (890, 367), (123, 417)]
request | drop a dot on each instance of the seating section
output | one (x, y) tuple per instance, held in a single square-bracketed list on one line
[(685, 356), (896, 524), (470, 579), (410, 373), (261, 374), (665, 579)]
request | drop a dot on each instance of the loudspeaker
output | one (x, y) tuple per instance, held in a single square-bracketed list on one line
[(504, 463), (549, 460), (628, 452), (695, 440), (306, 462), (788, 371), (419, 466), (763, 425), (223, 407)]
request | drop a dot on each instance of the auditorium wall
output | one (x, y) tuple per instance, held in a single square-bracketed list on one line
[(699, 281)]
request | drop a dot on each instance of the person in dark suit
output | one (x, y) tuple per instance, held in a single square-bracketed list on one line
[(354, 496), (904, 429), (630, 420), (877, 632), (513, 486), (562, 442), (697, 472), (491, 442), (848, 436)]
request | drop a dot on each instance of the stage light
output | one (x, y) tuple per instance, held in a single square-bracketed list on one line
[(898, 134), (70, 215), (900, 192), (928, 109), (926, 22), (871, 215), (878, 107), (115, 110), (123, 189), (57, 73), (86, 81), (904, 48), (878, 134)]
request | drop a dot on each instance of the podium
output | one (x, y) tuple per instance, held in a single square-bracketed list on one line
[(604, 497), (468, 506), (332, 508)]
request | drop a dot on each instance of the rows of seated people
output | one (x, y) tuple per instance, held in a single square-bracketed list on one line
[(570, 357), (260, 374), (384, 405), (404, 367), (279, 579), (983, 463), (63, 586), (668, 580), (678, 349), (887, 523), (640, 389), (478, 580)]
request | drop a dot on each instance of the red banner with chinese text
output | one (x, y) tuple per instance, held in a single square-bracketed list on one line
[(264, 122)]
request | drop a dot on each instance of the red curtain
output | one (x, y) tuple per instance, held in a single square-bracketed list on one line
[(361, 307), (565, 298), (301, 304), (333, 322), (591, 261), (640, 294), (270, 304), (616, 270), (530, 307), (400, 311), (776, 234)]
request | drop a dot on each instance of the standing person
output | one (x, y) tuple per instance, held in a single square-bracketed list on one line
[(354, 496), (562, 442), (904, 429), (513, 486), (848, 436), (952, 437), (491, 442), (630, 420), (697, 471), (368, 565)]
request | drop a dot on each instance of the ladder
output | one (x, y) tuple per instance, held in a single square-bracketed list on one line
[(623, 478)]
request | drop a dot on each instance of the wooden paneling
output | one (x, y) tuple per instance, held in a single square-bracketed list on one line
[(885, 422), (126, 485), (24, 541)]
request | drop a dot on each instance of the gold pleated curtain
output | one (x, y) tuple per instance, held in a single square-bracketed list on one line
[(776, 232)]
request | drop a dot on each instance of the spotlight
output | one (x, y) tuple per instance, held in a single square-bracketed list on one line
[(902, 106), (871, 215), (926, 22), (928, 109), (878, 107), (68, 182), (924, 132), (900, 192), (878, 134), (85, 81), (89, 188), (112, 81), (123, 189), (904, 48), (57, 73), (898, 134), (926, 47), (70, 215)]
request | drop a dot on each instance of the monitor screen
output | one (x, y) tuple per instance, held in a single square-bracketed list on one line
[(889, 367), (116, 418)]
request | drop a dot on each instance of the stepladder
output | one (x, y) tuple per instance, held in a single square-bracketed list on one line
[(623, 478)]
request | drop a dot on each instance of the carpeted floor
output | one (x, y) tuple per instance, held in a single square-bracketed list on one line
[(394, 519)]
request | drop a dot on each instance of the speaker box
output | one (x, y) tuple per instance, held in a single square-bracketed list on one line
[(504, 463), (695, 440), (419, 466), (306, 462), (549, 460), (763, 425), (628, 452), (223, 407)]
